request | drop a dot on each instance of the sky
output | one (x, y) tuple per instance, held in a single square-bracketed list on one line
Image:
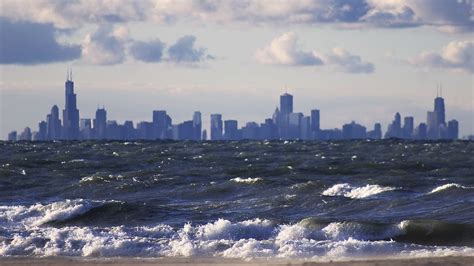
[(355, 60)]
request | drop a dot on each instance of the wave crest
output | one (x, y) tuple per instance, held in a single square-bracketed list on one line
[(348, 191)]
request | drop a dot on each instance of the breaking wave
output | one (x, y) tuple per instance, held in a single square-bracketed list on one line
[(256, 238), (348, 191), (447, 187)]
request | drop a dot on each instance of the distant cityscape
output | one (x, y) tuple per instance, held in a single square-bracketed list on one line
[(284, 124)]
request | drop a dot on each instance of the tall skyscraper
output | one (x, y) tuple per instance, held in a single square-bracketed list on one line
[(100, 123), (439, 110), (216, 126), (53, 131), (197, 125), (315, 126), (286, 104), (432, 125), (70, 112)]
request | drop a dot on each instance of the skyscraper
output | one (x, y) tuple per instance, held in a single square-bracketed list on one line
[(231, 130), (161, 124), (70, 112), (197, 125), (286, 104), (216, 126), (439, 110), (315, 126), (53, 131), (453, 129), (408, 126), (100, 124)]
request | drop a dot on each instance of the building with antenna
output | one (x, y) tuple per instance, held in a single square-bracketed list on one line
[(70, 113)]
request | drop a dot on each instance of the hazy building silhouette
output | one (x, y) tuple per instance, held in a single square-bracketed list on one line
[(42, 131), (231, 131), (197, 126), (432, 125), (204, 135), (408, 127), (12, 136), (70, 112), (294, 123), (100, 123), (315, 124), (376, 133), (145, 130), (53, 131), (453, 129), (26, 134), (161, 125), (85, 128), (250, 131), (394, 130), (306, 128), (216, 126), (354, 131), (421, 132), (286, 104), (268, 130), (186, 130)]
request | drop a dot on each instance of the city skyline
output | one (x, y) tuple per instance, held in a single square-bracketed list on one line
[(284, 124), (358, 60)]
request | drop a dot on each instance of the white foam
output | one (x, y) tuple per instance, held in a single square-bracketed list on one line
[(447, 186), (248, 180), (257, 238), (349, 191)]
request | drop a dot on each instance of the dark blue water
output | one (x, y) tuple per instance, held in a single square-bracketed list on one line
[(237, 199)]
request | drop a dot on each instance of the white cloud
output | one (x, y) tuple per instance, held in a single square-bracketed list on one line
[(457, 55), (284, 50), (106, 46)]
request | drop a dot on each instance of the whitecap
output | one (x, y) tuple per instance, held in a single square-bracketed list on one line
[(248, 180), (446, 187), (348, 191)]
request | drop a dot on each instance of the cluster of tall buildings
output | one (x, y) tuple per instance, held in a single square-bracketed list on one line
[(284, 124)]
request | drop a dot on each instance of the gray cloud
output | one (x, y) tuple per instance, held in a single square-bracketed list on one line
[(149, 52), (456, 55), (106, 46), (30, 43), (183, 51), (453, 15)]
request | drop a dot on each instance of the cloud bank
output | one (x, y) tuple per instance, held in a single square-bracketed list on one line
[(456, 55), (284, 50), (28, 43), (451, 15)]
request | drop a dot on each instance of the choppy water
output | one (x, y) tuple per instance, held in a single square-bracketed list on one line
[(319, 200)]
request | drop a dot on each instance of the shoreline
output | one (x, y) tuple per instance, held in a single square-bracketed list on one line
[(78, 261)]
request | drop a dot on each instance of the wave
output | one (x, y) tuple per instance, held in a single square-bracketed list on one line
[(348, 191), (447, 187), (40, 214), (255, 238), (248, 180)]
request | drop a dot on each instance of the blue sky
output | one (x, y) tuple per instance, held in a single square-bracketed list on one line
[(359, 60)]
